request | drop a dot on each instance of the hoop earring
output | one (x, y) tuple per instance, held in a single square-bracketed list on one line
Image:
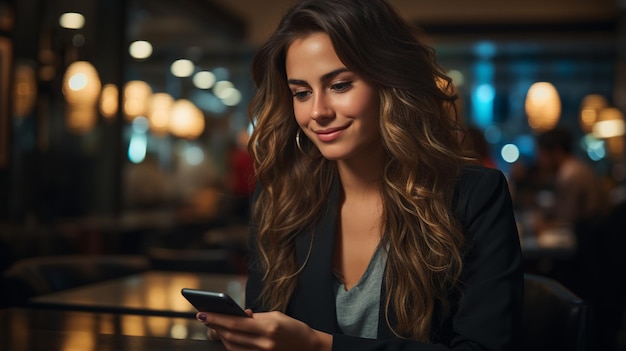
[(298, 141)]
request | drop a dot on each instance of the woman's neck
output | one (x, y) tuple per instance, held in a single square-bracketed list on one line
[(361, 177)]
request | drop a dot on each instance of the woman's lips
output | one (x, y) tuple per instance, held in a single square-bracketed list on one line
[(330, 134)]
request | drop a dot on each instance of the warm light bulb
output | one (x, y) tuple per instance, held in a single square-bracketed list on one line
[(182, 68), (81, 83), (81, 87), (543, 106), (109, 100), (136, 96), (140, 49), (72, 20), (159, 112), (186, 121), (610, 124), (589, 109), (204, 80)]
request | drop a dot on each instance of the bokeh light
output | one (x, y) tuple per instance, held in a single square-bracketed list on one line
[(140, 49), (204, 80), (72, 20), (182, 68), (510, 153)]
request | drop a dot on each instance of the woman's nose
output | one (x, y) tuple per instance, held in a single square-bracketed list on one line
[(321, 108)]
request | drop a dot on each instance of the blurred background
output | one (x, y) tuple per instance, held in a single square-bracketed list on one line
[(123, 123)]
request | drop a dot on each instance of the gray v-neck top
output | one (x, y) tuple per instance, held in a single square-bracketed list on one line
[(358, 308)]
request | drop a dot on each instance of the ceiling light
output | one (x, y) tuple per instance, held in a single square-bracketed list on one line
[(220, 89), (72, 20), (204, 80), (182, 68), (140, 49), (543, 106)]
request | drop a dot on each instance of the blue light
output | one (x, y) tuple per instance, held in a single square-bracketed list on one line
[(596, 154), (140, 125), (485, 93), (485, 49), (194, 155), (526, 144), (482, 105), (484, 71), (510, 153), (493, 134), (137, 148), (595, 148)]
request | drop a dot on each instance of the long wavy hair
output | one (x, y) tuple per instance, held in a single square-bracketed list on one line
[(419, 130)]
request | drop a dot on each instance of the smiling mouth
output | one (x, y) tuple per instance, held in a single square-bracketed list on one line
[(330, 134), (330, 130)]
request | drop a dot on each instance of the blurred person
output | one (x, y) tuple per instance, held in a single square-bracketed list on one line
[(523, 183), (578, 193), (581, 203), (476, 142), (370, 229), (240, 177)]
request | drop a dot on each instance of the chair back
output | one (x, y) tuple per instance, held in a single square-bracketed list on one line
[(554, 318)]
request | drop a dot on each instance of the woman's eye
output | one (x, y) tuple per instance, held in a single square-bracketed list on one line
[(341, 87), (300, 95)]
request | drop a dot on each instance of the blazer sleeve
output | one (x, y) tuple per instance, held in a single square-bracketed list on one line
[(488, 316)]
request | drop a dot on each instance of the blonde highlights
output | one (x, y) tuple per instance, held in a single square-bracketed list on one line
[(425, 241), (418, 126)]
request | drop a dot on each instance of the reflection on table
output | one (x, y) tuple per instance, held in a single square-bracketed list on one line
[(554, 241), (35, 330), (550, 252), (557, 243), (151, 293)]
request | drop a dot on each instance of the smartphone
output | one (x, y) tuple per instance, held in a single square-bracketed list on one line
[(209, 301)]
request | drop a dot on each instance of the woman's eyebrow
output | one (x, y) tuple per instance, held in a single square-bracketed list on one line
[(325, 78)]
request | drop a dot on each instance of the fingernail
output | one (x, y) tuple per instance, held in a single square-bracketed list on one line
[(202, 317)]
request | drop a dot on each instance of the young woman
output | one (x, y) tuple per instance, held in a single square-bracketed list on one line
[(370, 230)]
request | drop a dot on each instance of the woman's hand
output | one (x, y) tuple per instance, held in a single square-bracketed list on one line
[(265, 331)]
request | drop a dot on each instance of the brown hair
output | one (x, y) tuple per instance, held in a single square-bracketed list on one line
[(419, 128)]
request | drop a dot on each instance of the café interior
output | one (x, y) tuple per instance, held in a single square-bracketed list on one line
[(123, 162)]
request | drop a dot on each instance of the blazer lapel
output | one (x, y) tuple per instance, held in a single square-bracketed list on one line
[(316, 278)]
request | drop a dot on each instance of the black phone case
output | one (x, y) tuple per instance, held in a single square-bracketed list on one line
[(209, 301)]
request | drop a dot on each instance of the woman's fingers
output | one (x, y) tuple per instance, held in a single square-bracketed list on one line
[(212, 334), (236, 333), (264, 331), (235, 340)]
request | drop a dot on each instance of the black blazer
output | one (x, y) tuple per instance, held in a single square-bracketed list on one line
[(487, 315)]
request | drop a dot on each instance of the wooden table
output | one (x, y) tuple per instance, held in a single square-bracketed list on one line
[(152, 293), (58, 330)]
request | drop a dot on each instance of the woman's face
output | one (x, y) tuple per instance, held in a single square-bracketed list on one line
[(336, 108)]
